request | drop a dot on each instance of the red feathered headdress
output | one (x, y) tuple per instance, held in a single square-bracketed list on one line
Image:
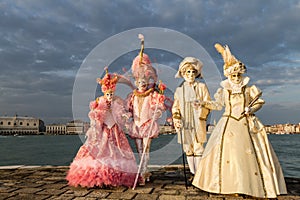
[(108, 82)]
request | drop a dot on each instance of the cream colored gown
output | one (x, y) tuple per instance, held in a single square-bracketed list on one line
[(238, 157)]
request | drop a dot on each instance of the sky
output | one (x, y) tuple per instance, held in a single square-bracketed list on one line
[(44, 44)]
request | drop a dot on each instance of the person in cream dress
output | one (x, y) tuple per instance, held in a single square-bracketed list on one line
[(238, 158)]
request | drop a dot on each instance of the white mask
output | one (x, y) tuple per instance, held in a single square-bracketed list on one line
[(236, 78), (190, 75)]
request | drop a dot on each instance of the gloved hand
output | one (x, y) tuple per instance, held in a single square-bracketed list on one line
[(125, 118), (196, 104), (248, 110), (127, 126), (157, 115), (177, 124)]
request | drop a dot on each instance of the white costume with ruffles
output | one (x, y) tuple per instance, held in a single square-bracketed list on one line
[(238, 157), (194, 120)]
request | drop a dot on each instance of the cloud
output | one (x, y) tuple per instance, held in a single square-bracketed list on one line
[(279, 114), (43, 43)]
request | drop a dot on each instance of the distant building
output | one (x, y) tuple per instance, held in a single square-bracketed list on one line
[(290, 128), (271, 129), (283, 128), (60, 129), (298, 128), (75, 127), (21, 125), (166, 129)]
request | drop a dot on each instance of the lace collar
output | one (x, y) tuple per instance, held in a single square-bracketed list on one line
[(190, 85), (143, 94), (235, 88)]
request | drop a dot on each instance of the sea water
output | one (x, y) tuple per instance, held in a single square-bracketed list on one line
[(61, 149)]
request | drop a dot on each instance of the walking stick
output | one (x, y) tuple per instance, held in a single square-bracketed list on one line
[(140, 165), (144, 150), (183, 160)]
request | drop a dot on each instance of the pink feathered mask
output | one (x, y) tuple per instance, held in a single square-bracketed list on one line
[(143, 69), (141, 65)]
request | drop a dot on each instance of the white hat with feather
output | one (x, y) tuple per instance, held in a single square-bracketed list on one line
[(189, 62), (231, 64)]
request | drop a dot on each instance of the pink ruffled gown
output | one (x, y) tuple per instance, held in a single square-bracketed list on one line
[(106, 158)]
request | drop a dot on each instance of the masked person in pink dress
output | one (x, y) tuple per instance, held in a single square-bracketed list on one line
[(106, 158), (238, 157), (146, 105)]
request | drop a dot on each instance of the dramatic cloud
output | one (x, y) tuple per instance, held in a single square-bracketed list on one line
[(43, 44)]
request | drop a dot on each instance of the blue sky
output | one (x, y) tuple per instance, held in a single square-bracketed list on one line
[(43, 43)]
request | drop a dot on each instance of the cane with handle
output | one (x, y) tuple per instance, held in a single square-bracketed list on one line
[(144, 150), (183, 160)]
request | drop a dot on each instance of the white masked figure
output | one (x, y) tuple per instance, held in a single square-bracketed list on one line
[(146, 106), (238, 158), (189, 117)]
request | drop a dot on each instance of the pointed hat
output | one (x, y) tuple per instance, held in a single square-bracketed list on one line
[(231, 64)]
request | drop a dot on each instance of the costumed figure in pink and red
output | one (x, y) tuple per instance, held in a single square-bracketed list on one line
[(106, 158), (146, 105)]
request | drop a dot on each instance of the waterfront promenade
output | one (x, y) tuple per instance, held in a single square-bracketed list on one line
[(167, 183)]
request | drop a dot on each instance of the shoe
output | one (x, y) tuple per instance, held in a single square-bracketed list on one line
[(142, 181), (147, 176), (190, 180)]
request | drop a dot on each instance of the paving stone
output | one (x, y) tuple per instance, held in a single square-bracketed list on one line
[(77, 191), (145, 190), (158, 181), (7, 189), (6, 195), (28, 190), (41, 173), (230, 196), (85, 198), (171, 197), (172, 186), (179, 182), (288, 197), (62, 197), (28, 185), (57, 186), (54, 178), (193, 191), (8, 184), (199, 197), (29, 197), (146, 196), (116, 189), (48, 182), (163, 191), (33, 178), (98, 194), (151, 185), (121, 195), (51, 191)]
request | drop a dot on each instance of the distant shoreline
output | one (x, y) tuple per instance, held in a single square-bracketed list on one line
[(162, 133)]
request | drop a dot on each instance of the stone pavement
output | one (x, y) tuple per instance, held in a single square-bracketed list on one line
[(48, 182)]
